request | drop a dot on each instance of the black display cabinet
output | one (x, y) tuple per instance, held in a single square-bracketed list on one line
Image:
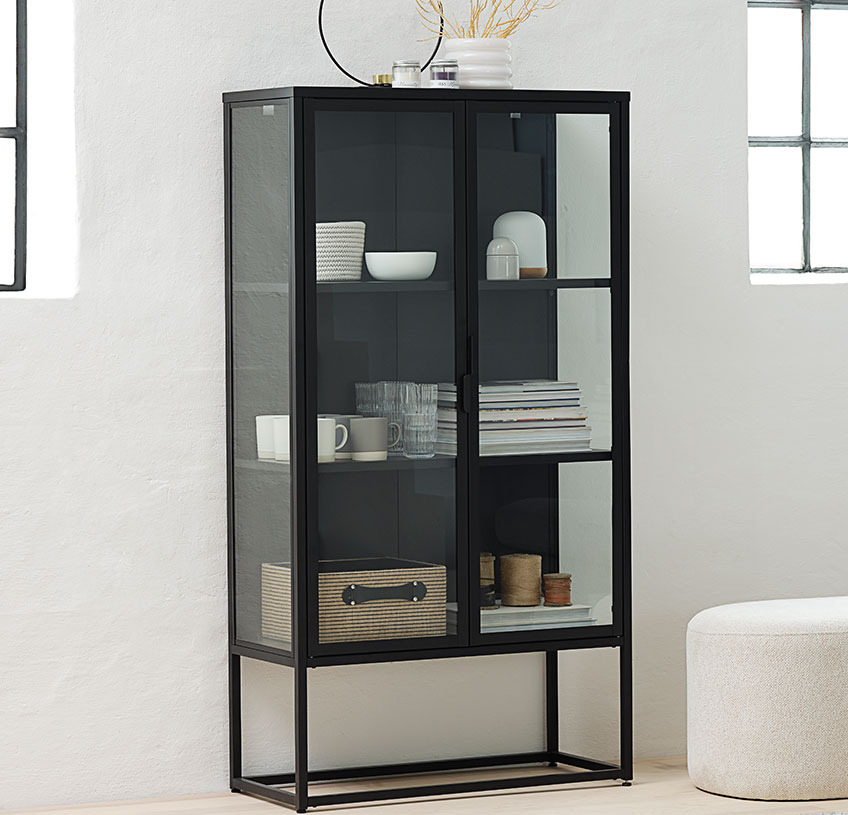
[(353, 561)]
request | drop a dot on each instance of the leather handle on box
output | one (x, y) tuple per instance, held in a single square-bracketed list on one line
[(355, 595)]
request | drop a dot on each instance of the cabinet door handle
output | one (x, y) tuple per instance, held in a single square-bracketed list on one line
[(465, 384), (355, 595)]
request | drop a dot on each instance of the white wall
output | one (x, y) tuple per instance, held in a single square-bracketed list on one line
[(112, 591)]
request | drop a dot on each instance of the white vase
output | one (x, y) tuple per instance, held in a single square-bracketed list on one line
[(484, 62)]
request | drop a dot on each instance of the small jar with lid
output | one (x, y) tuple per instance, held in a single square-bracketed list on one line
[(406, 73), (444, 73), (502, 260)]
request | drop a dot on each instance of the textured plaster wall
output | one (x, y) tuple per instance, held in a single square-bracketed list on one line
[(112, 591)]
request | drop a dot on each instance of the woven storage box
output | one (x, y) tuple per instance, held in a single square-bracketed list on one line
[(339, 247), (362, 600), (276, 601), (380, 599)]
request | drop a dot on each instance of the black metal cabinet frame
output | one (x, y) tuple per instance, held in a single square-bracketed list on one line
[(292, 789)]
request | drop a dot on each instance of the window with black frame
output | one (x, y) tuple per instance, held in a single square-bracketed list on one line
[(13, 169), (798, 135)]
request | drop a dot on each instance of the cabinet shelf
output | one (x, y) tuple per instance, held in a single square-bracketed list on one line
[(546, 458), (352, 287), (400, 286), (545, 284), (384, 286), (389, 465)]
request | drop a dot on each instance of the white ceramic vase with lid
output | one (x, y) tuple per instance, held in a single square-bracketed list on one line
[(527, 230), (484, 62)]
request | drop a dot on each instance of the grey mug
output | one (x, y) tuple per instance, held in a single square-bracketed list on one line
[(370, 438)]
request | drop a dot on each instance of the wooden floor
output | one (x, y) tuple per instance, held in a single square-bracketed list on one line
[(662, 787)]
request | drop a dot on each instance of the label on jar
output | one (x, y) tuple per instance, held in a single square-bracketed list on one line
[(400, 83), (444, 83)]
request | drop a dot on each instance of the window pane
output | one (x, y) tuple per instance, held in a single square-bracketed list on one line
[(8, 60), (830, 73), (829, 207), (7, 211), (775, 207), (774, 72)]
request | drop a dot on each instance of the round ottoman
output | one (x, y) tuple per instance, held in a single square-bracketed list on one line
[(768, 699)]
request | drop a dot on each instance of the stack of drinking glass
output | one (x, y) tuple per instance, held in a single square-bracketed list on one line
[(410, 407)]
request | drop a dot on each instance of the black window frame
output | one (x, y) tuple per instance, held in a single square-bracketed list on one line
[(19, 134), (805, 140)]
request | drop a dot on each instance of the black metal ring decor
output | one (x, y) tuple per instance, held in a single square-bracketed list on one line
[(348, 73)]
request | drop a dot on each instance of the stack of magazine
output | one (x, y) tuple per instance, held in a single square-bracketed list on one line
[(520, 416), (527, 618)]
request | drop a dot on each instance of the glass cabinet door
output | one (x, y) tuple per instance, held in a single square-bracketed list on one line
[(261, 482), (382, 278), (542, 429)]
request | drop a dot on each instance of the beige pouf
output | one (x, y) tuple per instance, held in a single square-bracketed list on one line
[(768, 699)]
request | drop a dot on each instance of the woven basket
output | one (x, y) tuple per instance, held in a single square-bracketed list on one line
[(362, 600), (276, 601), (339, 248), (340, 620)]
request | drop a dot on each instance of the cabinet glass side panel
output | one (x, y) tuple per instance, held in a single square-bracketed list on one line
[(261, 247), (385, 294)]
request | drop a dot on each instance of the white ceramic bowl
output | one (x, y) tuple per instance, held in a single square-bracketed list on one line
[(400, 265)]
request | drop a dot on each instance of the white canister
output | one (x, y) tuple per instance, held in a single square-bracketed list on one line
[(502, 260), (527, 230)]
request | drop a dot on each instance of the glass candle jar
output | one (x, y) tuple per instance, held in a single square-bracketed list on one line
[(406, 73), (444, 73)]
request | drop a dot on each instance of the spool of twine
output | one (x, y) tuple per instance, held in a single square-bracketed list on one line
[(487, 568), (521, 580), (558, 589), (487, 580)]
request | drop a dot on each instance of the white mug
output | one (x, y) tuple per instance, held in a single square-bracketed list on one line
[(344, 452), (327, 432), (265, 435), (282, 449)]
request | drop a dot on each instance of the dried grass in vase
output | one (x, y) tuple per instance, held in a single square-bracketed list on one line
[(486, 18)]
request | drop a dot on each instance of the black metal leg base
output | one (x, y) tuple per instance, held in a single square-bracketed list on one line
[(626, 783), (268, 786)]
